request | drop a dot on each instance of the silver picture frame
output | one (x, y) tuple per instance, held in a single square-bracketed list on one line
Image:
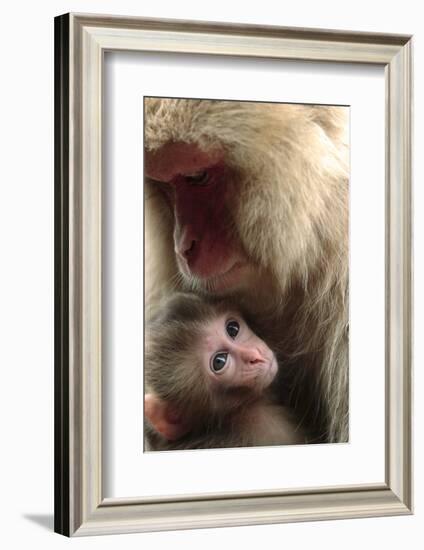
[(80, 506)]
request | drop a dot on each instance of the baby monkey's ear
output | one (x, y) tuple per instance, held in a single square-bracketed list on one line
[(165, 418)]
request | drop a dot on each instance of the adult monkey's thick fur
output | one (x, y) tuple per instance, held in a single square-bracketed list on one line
[(289, 181)]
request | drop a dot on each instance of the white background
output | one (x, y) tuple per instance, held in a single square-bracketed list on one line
[(127, 471), (26, 287)]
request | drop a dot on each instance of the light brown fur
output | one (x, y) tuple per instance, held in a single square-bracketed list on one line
[(175, 378), (290, 189)]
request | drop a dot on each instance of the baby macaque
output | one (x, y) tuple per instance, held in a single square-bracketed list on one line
[(209, 380)]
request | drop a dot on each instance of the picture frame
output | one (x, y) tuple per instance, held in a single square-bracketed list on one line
[(81, 41)]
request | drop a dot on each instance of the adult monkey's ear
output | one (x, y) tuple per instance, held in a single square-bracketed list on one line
[(164, 418)]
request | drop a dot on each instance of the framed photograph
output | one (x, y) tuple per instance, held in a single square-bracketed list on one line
[(233, 274)]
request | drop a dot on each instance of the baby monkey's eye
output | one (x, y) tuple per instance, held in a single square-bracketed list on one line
[(232, 328), (219, 361)]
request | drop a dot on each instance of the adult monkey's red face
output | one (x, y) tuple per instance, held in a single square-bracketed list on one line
[(197, 186)]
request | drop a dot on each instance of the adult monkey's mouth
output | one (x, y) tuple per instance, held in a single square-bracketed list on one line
[(216, 281), (230, 279)]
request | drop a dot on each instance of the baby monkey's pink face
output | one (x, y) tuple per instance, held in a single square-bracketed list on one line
[(234, 357)]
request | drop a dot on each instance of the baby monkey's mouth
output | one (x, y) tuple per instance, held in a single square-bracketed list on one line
[(268, 373), (271, 371)]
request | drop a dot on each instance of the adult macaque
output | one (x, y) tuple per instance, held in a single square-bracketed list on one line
[(250, 200), (209, 380)]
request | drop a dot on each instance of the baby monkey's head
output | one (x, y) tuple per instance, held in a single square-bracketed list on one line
[(202, 361)]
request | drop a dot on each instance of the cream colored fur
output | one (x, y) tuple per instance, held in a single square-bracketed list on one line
[(291, 169)]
